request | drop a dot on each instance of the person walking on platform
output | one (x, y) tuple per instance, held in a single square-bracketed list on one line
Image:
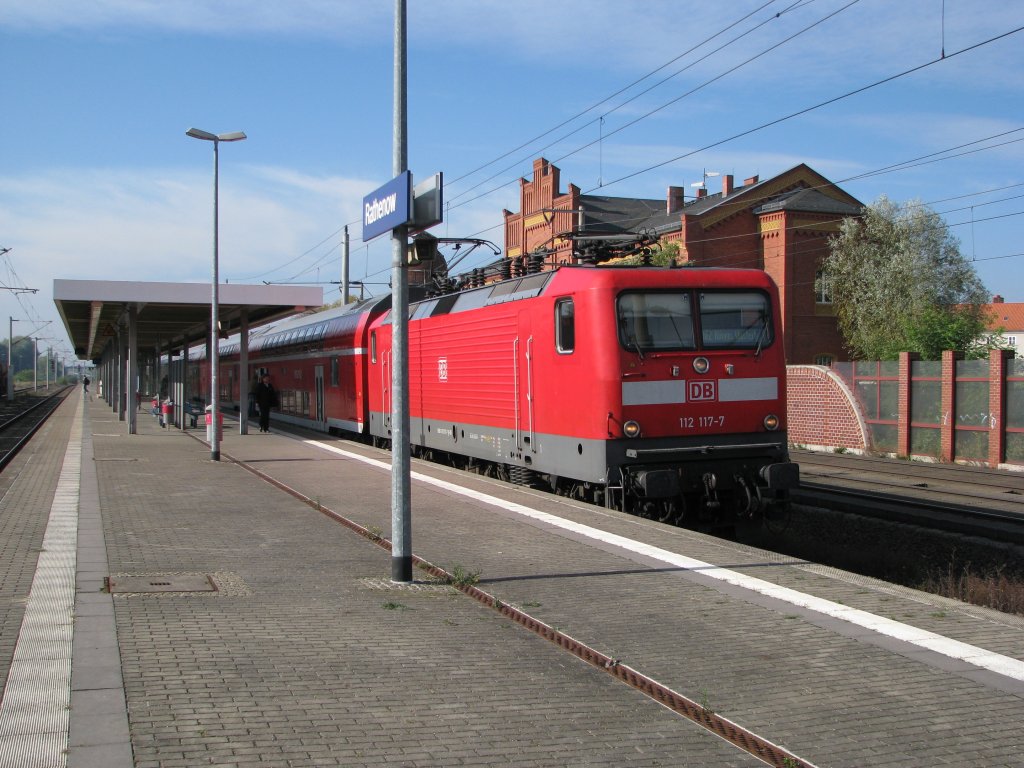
[(85, 387), (266, 398)]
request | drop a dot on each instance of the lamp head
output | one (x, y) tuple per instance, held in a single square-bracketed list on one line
[(197, 133)]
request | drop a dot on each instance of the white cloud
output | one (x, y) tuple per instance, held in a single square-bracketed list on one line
[(154, 224)]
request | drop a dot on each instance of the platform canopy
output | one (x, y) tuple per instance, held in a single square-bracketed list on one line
[(168, 315)]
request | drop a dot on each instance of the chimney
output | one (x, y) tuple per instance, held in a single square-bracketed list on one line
[(726, 184), (702, 192), (751, 180), (674, 202), (997, 299)]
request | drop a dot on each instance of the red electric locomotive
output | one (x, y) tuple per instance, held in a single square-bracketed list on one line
[(659, 391)]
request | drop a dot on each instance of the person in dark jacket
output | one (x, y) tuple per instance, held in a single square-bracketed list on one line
[(266, 398)]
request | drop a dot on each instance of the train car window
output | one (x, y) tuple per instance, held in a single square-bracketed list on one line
[(653, 321), (373, 346), (335, 371), (735, 320), (565, 326)]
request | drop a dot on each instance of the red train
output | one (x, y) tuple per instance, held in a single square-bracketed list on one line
[(660, 391)]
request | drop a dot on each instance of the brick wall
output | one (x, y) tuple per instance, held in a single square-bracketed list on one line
[(822, 412)]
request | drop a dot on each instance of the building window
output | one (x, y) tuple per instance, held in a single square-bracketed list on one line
[(822, 290), (1011, 340), (565, 326), (823, 359)]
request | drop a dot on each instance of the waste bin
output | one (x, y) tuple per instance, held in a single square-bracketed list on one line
[(209, 426)]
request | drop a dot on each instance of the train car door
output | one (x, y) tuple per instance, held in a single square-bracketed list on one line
[(321, 414)]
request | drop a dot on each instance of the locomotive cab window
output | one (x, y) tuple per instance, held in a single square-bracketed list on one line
[(655, 321), (565, 326), (735, 320)]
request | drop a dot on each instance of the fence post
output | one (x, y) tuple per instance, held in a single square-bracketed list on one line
[(997, 405), (947, 430)]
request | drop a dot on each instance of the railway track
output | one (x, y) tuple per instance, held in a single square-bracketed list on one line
[(22, 417), (972, 501)]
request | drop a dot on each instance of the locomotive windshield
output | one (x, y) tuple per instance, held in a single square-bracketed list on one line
[(659, 321), (735, 320), (655, 321)]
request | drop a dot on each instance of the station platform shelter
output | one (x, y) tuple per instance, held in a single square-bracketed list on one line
[(139, 333)]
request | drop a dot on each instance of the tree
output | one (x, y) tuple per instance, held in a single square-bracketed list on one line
[(899, 283), (664, 255)]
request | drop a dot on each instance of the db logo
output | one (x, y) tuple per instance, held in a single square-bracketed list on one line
[(442, 369), (700, 390)]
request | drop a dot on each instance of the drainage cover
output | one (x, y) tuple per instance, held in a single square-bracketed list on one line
[(172, 582)]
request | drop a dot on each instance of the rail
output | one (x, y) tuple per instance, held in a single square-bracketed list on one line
[(962, 500), (16, 431)]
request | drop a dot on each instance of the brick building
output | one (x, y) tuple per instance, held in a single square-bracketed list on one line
[(780, 225)]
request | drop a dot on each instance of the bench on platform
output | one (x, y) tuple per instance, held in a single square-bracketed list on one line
[(193, 411)]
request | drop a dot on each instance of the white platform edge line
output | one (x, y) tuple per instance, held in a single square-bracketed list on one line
[(34, 711), (955, 649)]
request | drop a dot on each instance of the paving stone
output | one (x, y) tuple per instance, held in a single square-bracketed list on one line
[(304, 657)]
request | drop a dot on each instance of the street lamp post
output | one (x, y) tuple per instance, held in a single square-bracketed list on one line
[(216, 138)]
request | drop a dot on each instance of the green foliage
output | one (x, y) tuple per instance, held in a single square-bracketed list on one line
[(461, 577), (899, 283), (665, 255), (936, 329)]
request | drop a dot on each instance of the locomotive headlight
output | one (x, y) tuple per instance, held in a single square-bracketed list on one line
[(771, 422), (631, 429), (701, 365)]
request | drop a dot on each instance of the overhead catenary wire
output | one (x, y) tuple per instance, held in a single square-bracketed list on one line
[(793, 6), (618, 93), (624, 89), (765, 125), (821, 104), (654, 111), (901, 166)]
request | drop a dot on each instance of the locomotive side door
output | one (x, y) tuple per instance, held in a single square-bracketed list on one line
[(385, 387), (523, 373)]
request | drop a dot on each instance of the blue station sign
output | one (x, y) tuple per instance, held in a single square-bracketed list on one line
[(387, 207)]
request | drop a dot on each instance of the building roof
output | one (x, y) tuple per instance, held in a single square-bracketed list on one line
[(619, 215), (168, 314), (1008, 316), (808, 201)]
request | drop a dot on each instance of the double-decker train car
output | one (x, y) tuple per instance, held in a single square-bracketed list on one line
[(660, 391)]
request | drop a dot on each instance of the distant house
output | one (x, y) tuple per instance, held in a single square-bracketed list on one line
[(1006, 320), (781, 225)]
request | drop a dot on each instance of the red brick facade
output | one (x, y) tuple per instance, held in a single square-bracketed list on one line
[(822, 412), (780, 225)]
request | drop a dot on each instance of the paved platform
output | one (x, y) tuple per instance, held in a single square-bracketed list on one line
[(307, 655)]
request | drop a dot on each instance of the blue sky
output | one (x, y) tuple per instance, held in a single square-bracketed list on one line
[(99, 181)]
